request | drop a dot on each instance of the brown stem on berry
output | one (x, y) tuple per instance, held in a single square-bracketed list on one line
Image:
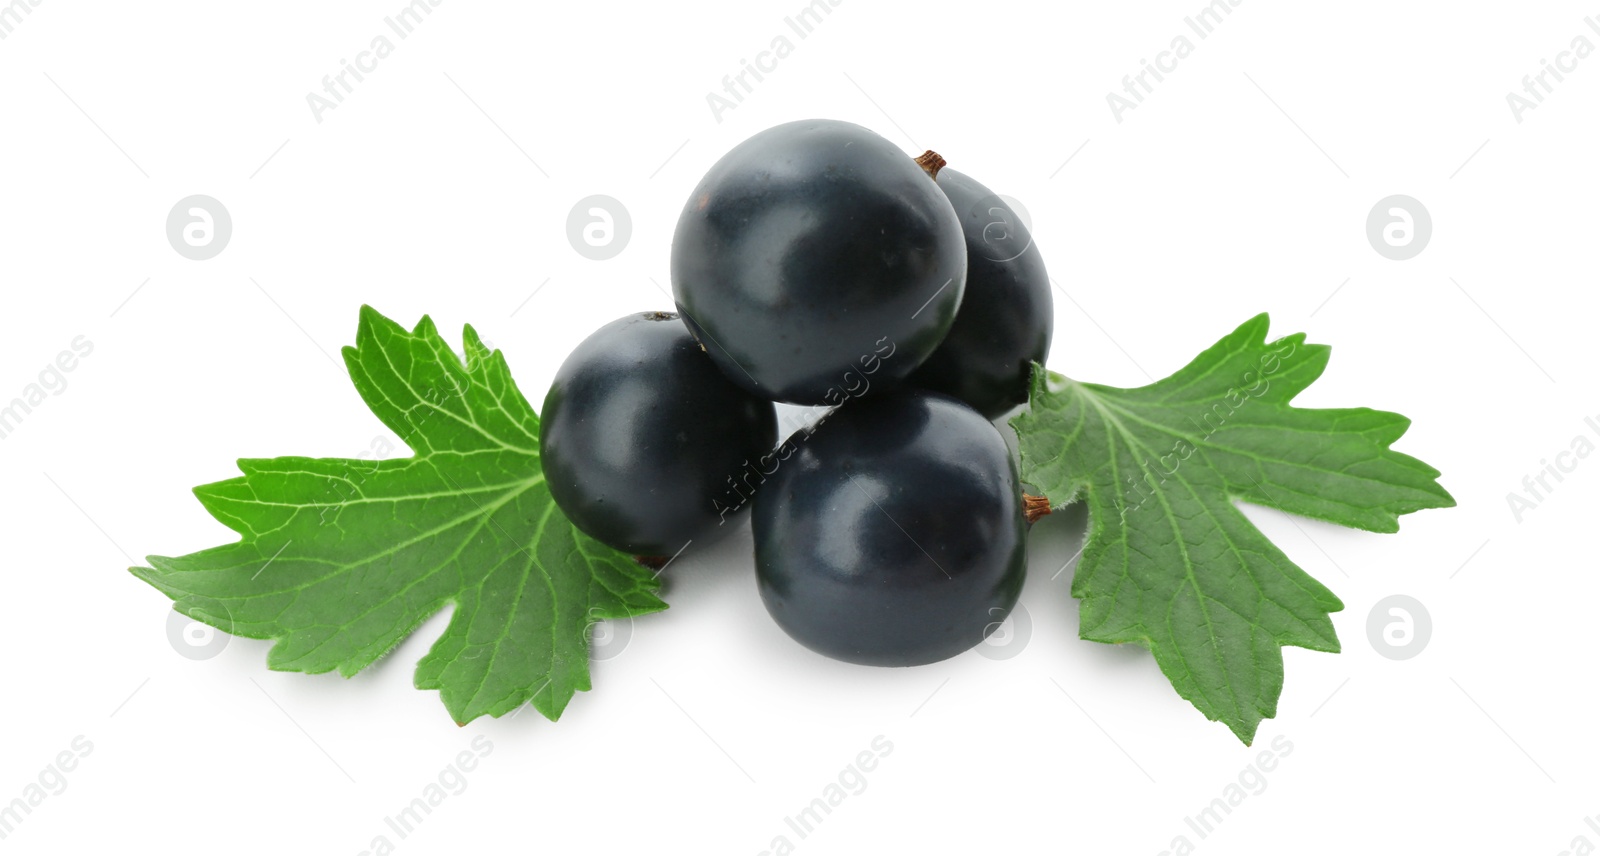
[(654, 563), (931, 163), (1035, 507)]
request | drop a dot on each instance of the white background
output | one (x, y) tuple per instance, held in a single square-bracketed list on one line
[(442, 185)]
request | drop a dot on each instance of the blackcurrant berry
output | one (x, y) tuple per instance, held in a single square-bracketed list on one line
[(893, 534), (1007, 315), (816, 260), (640, 434)]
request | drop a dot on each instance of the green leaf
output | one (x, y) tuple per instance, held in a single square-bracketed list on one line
[(341, 559), (1170, 563)]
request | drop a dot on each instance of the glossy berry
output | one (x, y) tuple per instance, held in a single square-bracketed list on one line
[(1007, 315), (640, 433), (810, 249), (893, 535)]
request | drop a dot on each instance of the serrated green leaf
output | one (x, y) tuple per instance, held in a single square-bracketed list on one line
[(341, 559), (1170, 563)]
